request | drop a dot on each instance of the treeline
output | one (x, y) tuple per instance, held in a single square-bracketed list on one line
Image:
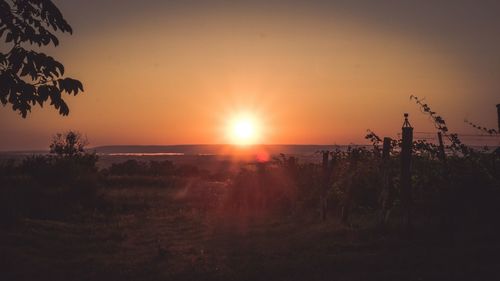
[(67, 182)]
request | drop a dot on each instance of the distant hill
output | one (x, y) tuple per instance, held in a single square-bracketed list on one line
[(212, 149)]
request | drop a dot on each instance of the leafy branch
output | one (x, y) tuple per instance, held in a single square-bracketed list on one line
[(27, 77)]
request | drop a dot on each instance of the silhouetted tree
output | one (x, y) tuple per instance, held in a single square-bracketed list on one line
[(28, 77), (68, 145)]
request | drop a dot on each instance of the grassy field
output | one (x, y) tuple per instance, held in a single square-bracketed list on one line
[(157, 233)]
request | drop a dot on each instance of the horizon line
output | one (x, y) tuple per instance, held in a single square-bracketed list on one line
[(180, 145)]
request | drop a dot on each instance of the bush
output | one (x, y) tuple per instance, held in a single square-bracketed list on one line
[(51, 186)]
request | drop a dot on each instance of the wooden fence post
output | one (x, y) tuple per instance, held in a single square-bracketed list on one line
[(386, 149), (324, 185), (406, 151), (498, 116), (444, 189), (263, 192), (441, 153), (385, 196)]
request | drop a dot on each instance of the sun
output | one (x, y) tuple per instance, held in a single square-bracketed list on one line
[(243, 130)]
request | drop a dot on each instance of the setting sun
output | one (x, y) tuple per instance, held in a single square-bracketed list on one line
[(243, 131)]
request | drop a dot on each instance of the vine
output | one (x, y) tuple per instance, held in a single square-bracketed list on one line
[(482, 128), (440, 124)]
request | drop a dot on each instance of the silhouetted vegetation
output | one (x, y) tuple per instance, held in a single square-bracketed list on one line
[(27, 77), (53, 185)]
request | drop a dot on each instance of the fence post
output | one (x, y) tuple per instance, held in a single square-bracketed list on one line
[(498, 117), (262, 194), (441, 153), (385, 195), (444, 189), (406, 196), (386, 149), (324, 184)]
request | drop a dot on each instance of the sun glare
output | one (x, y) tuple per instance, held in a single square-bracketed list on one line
[(243, 131)]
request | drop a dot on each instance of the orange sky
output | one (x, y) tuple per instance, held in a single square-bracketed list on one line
[(176, 77)]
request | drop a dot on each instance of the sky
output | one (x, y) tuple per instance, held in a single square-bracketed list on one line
[(306, 72)]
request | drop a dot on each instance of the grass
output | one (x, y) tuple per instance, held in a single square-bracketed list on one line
[(158, 233)]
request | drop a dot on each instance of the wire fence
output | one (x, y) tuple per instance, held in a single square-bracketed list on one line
[(467, 138)]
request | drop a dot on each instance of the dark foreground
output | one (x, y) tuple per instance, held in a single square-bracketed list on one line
[(166, 234)]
